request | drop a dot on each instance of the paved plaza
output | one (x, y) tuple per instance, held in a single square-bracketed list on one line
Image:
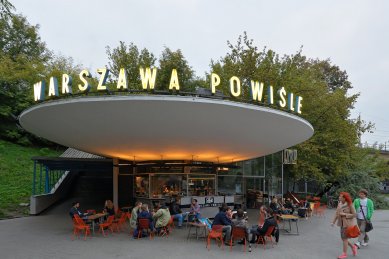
[(49, 236)]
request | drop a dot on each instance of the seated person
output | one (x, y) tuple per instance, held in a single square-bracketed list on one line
[(176, 212), (134, 215), (145, 214), (194, 209), (289, 206), (262, 215), (275, 206), (261, 220), (222, 219), (261, 231), (161, 218), (241, 222), (109, 208), (75, 209)]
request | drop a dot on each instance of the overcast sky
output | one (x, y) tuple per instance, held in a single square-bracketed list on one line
[(353, 34)]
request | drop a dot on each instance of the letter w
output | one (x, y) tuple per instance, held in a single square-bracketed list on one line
[(148, 78), (257, 90), (39, 91)]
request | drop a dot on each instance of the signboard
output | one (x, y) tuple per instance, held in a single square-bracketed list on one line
[(290, 156), (259, 92)]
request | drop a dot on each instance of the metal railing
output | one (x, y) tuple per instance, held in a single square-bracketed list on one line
[(44, 180)]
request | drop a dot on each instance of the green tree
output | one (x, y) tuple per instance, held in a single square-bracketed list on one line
[(170, 60), (23, 56), (327, 103), (131, 59), (6, 8)]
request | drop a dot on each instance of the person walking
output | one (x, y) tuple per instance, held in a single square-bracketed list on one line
[(365, 209), (345, 217)]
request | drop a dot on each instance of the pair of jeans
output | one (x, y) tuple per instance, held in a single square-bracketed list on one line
[(180, 218), (363, 237), (227, 232)]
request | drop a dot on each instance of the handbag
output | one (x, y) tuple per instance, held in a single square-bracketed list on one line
[(353, 231), (369, 225)]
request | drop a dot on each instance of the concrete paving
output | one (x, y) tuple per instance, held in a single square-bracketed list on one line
[(49, 236)]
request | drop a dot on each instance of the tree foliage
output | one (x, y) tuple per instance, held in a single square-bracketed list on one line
[(131, 59), (369, 169), (23, 57), (327, 103), (6, 8), (170, 60), (24, 60)]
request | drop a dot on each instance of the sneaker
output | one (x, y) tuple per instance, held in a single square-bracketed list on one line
[(342, 256), (365, 244), (355, 250)]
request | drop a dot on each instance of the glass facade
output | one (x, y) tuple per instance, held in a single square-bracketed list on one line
[(251, 181), (257, 179)]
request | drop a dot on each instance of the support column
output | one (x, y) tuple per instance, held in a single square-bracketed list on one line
[(282, 175), (115, 180)]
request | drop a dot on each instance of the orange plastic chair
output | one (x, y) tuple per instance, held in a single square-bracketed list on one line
[(316, 206), (144, 224), (266, 237), (118, 223), (238, 233), (80, 225), (321, 210), (107, 224), (170, 225), (217, 234), (91, 212), (171, 221)]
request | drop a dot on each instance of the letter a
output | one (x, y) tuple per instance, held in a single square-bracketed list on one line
[(174, 81)]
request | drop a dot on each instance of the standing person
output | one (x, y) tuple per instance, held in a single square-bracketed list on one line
[(222, 219), (134, 215), (365, 209), (345, 216)]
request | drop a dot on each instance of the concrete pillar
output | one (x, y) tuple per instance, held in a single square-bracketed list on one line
[(115, 182)]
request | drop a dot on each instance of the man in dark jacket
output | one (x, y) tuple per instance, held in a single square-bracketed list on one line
[(222, 219), (75, 209)]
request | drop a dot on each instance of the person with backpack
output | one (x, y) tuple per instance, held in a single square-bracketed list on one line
[(365, 209)]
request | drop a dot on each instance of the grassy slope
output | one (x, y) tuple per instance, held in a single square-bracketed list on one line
[(16, 171)]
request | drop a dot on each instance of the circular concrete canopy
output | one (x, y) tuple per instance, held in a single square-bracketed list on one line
[(147, 127)]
